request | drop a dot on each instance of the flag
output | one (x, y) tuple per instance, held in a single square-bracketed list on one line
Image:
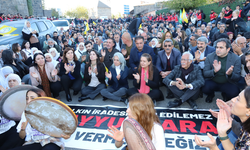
[(184, 16), (180, 18), (87, 28), (140, 26), (94, 23)]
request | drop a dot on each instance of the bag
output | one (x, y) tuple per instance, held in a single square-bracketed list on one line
[(33, 40)]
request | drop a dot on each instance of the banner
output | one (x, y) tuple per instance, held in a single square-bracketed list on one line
[(180, 126)]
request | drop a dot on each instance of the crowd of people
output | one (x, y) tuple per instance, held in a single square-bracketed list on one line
[(189, 58)]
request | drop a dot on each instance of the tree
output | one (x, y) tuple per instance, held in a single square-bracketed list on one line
[(55, 13), (78, 12), (187, 4)]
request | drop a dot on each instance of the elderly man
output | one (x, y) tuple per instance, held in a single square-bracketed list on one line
[(201, 51), (145, 36), (107, 54), (222, 72), (185, 81), (51, 44), (98, 46), (136, 52)]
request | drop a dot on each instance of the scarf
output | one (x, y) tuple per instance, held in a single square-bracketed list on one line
[(144, 88), (185, 72), (28, 30)]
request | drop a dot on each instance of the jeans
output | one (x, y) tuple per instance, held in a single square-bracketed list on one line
[(112, 94)]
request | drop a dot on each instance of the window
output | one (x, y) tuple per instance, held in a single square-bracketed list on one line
[(34, 27), (49, 24), (61, 23), (42, 26)]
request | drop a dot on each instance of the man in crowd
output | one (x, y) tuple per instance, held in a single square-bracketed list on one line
[(222, 29), (118, 41), (51, 44), (193, 41), (127, 45), (98, 46), (185, 81)]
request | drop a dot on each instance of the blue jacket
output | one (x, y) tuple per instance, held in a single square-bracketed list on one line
[(175, 59), (117, 84), (134, 61), (209, 50)]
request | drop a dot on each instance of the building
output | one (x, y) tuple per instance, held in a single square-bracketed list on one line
[(146, 8), (100, 11)]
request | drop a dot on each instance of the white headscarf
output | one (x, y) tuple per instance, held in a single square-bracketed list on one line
[(33, 50), (28, 30), (14, 76), (156, 42), (54, 62), (78, 48), (57, 54), (5, 71)]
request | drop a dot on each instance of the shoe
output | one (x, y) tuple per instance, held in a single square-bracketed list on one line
[(209, 98), (154, 101), (75, 92), (170, 95), (68, 97), (175, 103), (123, 99), (192, 104), (201, 94), (224, 97), (104, 98), (80, 99)]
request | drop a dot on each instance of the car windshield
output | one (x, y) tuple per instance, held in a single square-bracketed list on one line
[(9, 29), (60, 23)]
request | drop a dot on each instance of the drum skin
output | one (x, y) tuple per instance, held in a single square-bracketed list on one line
[(51, 117), (136, 137), (13, 102)]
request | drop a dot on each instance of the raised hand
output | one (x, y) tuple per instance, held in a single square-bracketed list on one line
[(230, 70), (211, 144), (67, 67), (226, 106), (95, 71), (124, 52), (108, 75), (34, 74), (197, 55), (217, 66), (83, 58), (54, 73), (103, 53), (118, 76), (224, 123), (136, 76), (90, 70), (2, 89), (116, 134), (24, 125)]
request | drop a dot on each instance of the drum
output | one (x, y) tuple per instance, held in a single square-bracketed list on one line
[(13, 102), (51, 117), (136, 137)]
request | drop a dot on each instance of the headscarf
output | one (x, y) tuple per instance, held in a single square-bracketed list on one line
[(5, 71), (78, 48), (33, 50), (54, 62), (57, 54), (28, 30), (156, 42), (14, 76)]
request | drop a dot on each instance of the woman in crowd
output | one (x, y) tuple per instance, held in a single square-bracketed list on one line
[(146, 80), (230, 36), (49, 59), (17, 65), (235, 23), (168, 35), (44, 75), (54, 53), (80, 51), (72, 40), (66, 36), (5, 71), (26, 48), (241, 108), (70, 73), (94, 77), (35, 140), (31, 35), (19, 54), (150, 122), (118, 83), (13, 80), (45, 43)]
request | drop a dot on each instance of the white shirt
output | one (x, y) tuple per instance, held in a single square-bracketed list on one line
[(27, 52), (5, 124), (167, 55), (94, 81), (202, 63), (118, 69), (99, 47), (79, 53), (118, 46)]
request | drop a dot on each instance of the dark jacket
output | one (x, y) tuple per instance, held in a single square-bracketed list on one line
[(76, 74), (232, 60), (20, 68), (240, 24), (134, 60), (122, 82), (101, 74), (46, 48), (96, 47), (134, 25), (175, 59), (195, 77), (208, 50), (216, 36)]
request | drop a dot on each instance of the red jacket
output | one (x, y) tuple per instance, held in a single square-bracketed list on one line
[(212, 16), (240, 13), (169, 18), (175, 18), (228, 14), (199, 17)]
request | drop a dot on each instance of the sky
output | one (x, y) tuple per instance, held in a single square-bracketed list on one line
[(117, 6)]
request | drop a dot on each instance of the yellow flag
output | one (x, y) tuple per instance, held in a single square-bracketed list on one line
[(94, 23), (140, 26), (5, 30), (86, 29), (184, 16)]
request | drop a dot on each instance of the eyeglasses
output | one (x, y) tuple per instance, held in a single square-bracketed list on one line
[(167, 45), (192, 39), (185, 59)]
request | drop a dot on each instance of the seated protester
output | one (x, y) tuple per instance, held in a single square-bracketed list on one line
[(45, 42), (13, 80), (118, 84), (167, 60), (80, 50), (168, 35), (185, 81), (146, 80), (4, 72), (33, 51), (49, 59), (118, 41), (51, 44), (127, 45), (107, 54), (222, 29), (19, 54), (54, 53), (94, 77), (98, 46), (17, 65), (70, 73), (136, 53), (72, 41), (31, 35), (26, 49), (44, 76), (222, 72), (153, 44), (34, 139), (65, 45), (201, 51)]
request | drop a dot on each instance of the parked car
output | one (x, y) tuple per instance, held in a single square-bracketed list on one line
[(11, 32), (61, 23)]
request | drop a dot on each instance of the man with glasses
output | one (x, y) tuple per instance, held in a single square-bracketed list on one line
[(192, 41), (222, 71), (185, 81), (167, 60), (222, 29)]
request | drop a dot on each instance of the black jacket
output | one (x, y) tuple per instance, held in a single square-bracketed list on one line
[(76, 74), (101, 74), (20, 68)]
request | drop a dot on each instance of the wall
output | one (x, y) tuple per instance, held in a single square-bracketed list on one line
[(145, 8), (104, 12), (37, 8), (14, 7), (47, 13)]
